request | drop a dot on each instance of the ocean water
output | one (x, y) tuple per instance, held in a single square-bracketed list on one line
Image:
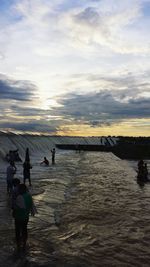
[(91, 212)]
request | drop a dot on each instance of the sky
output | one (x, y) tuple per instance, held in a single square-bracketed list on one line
[(75, 67)]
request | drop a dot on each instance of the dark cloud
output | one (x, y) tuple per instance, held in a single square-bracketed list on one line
[(105, 107), (16, 90), (95, 124), (29, 126), (28, 111)]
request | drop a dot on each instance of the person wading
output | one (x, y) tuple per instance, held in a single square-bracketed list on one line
[(21, 210), (11, 170), (26, 172), (53, 151)]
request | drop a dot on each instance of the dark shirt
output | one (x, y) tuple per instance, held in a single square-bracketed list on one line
[(26, 169)]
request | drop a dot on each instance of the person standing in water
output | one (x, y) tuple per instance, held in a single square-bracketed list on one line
[(15, 191), (145, 172), (21, 210), (53, 151), (11, 170), (140, 169), (26, 172)]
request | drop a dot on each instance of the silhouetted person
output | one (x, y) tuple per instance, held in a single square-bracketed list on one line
[(11, 155), (140, 164), (27, 156), (7, 157), (26, 172), (140, 169), (22, 209), (53, 151), (17, 157), (11, 170), (15, 191), (145, 172), (45, 161)]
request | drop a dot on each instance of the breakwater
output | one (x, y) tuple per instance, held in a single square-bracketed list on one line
[(44, 144), (123, 147)]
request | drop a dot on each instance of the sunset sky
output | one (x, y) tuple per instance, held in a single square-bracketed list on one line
[(75, 67)]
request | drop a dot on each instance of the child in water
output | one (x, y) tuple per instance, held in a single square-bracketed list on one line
[(45, 161)]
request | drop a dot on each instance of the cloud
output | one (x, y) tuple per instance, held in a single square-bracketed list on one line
[(104, 107), (19, 109), (112, 26), (97, 49), (16, 90), (92, 24), (29, 126), (117, 99), (99, 109)]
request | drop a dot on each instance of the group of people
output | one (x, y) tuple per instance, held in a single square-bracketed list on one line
[(13, 155), (21, 204), (46, 161), (11, 171), (21, 200), (142, 171)]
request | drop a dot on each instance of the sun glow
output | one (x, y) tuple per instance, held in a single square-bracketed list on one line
[(126, 128), (48, 103)]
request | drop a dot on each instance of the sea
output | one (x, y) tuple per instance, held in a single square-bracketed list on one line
[(91, 212)]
